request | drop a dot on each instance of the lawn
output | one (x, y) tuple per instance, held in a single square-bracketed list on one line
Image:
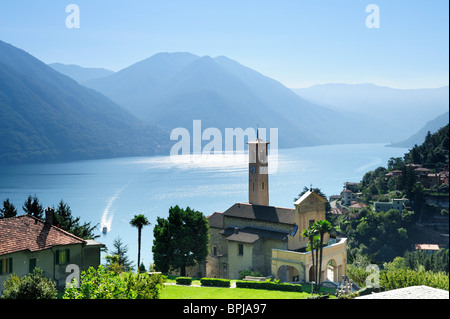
[(189, 292)]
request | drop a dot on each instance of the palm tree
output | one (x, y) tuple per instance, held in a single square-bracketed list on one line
[(311, 233), (139, 221), (322, 227)]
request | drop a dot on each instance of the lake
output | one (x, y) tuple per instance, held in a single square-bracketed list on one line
[(110, 192)]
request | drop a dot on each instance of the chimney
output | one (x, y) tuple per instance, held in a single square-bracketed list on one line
[(49, 216), (236, 230)]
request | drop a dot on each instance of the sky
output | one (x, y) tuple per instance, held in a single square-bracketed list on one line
[(299, 43)]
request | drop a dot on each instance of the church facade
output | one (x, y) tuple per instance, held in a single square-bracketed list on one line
[(259, 237)]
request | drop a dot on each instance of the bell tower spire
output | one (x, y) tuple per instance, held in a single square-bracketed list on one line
[(258, 172)]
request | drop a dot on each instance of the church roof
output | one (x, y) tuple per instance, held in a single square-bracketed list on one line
[(250, 234), (243, 237), (263, 213), (215, 220), (306, 195)]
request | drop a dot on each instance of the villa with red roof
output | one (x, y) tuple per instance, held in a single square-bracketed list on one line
[(27, 242)]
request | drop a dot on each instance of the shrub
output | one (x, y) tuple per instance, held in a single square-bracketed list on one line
[(215, 282), (402, 278), (268, 285), (31, 286), (102, 284), (184, 280)]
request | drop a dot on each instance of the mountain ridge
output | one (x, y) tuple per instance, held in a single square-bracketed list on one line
[(48, 116), (80, 74), (224, 93), (418, 138)]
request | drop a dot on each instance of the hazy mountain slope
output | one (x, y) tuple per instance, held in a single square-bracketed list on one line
[(223, 93), (321, 123), (47, 116), (405, 110), (418, 138), (79, 73), (135, 86)]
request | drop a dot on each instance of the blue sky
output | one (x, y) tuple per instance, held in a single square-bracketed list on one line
[(297, 42)]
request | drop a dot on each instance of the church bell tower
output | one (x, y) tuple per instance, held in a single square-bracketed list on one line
[(258, 172)]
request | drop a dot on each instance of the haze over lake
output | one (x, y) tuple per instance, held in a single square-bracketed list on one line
[(110, 192)]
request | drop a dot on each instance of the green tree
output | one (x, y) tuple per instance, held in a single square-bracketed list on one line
[(112, 264), (33, 207), (395, 163), (407, 181), (139, 221), (8, 210), (120, 250), (64, 219), (181, 240), (31, 286), (322, 227), (102, 284), (311, 233)]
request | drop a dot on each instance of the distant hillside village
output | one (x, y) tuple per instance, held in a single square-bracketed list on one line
[(416, 186)]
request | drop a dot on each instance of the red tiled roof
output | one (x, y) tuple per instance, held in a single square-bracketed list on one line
[(357, 205), (29, 233), (427, 247)]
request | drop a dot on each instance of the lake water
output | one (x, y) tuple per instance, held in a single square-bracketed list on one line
[(110, 192)]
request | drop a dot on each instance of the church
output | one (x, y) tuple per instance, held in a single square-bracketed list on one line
[(259, 237)]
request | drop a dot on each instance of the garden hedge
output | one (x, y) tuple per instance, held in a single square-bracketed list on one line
[(268, 285), (215, 282), (184, 280)]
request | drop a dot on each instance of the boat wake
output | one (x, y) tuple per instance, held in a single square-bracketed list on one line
[(108, 215)]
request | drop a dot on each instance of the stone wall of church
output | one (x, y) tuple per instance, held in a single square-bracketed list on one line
[(262, 254), (217, 257), (237, 261)]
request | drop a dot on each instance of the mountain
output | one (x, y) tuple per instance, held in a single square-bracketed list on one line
[(47, 116), (79, 73), (173, 89), (406, 110), (418, 138), (133, 86)]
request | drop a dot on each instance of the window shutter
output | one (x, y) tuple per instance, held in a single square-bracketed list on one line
[(1, 266), (10, 265), (68, 256), (57, 257)]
